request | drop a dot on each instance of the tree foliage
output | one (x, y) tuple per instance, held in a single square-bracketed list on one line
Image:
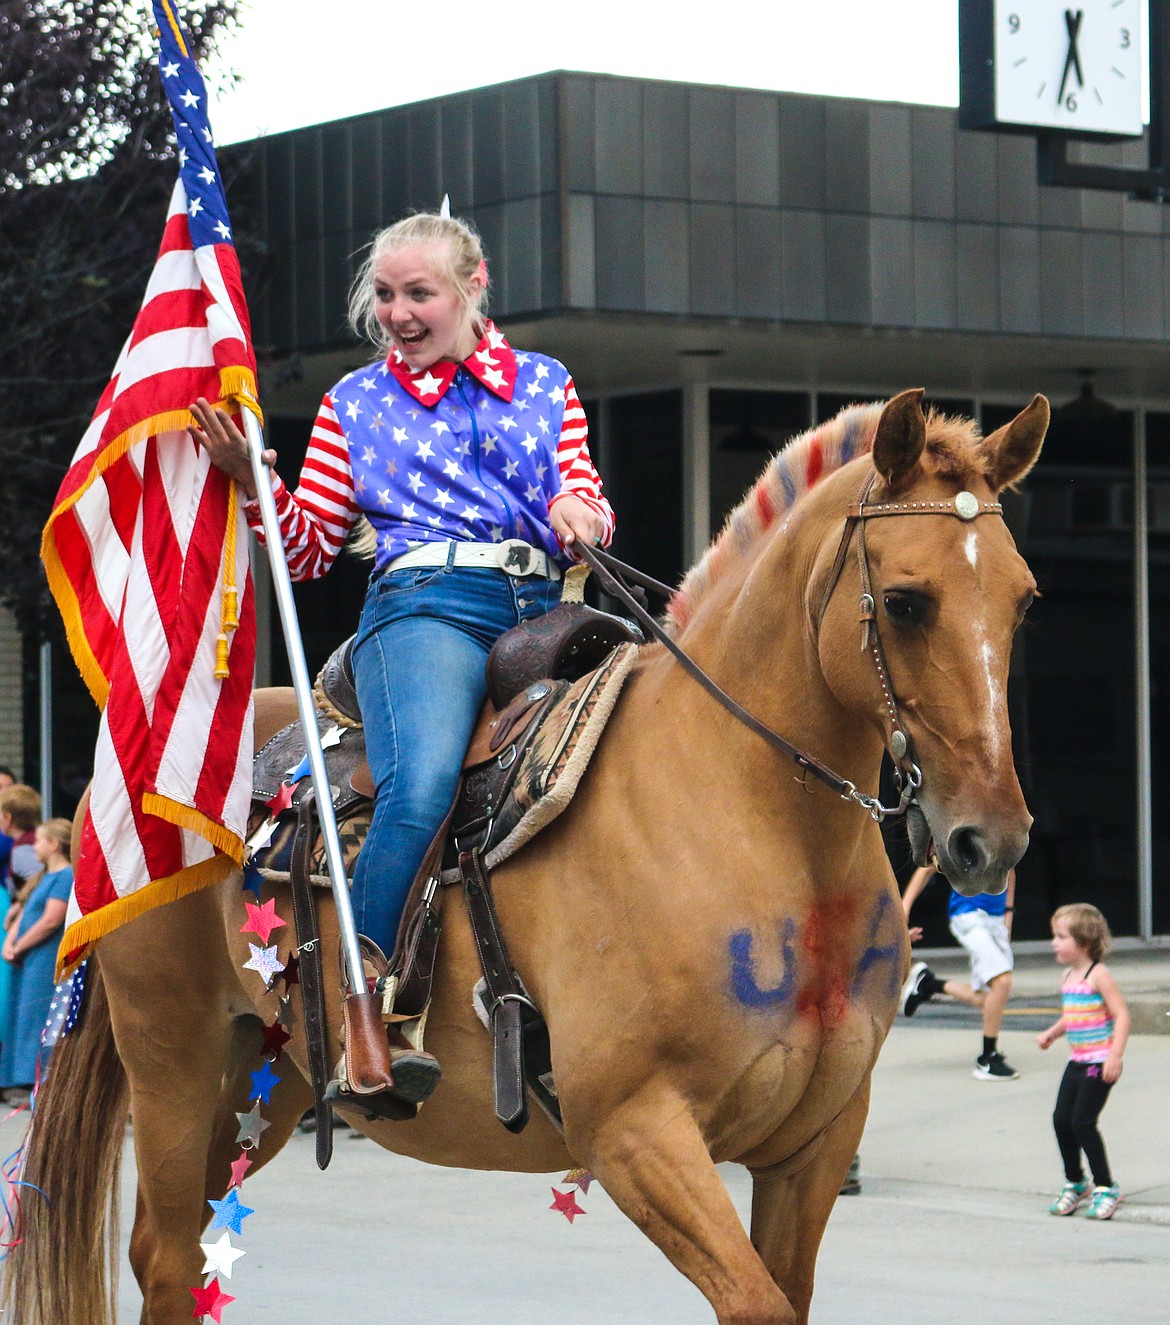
[(86, 169)]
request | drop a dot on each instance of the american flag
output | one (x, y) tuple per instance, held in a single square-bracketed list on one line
[(147, 555)]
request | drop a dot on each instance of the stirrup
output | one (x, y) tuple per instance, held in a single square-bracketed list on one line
[(410, 1073), (385, 1104)]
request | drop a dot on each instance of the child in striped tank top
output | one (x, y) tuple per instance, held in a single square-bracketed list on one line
[(1096, 1021)]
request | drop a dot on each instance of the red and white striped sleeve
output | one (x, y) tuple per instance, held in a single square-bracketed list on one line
[(315, 519), (578, 477)]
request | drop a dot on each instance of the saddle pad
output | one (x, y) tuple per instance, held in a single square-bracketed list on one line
[(275, 859), (558, 757)]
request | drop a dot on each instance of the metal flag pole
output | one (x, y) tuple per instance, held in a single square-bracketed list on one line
[(294, 644)]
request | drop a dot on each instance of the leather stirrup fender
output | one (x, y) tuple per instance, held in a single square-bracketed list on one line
[(504, 994), (367, 1051)]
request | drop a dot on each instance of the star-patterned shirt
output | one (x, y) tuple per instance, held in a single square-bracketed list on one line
[(478, 451)]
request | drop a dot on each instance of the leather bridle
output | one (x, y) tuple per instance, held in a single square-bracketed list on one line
[(908, 775)]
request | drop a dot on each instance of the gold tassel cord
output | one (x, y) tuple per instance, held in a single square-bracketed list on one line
[(229, 618), (238, 392)]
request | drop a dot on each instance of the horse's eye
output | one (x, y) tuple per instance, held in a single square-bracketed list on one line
[(901, 606)]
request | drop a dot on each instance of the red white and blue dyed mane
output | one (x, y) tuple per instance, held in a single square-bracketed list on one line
[(951, 443), (788, 476)]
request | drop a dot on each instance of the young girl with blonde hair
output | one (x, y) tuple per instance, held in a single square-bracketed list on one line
[(1096, 1020)]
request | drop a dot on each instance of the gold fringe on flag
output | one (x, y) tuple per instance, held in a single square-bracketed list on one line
[(82, 934)]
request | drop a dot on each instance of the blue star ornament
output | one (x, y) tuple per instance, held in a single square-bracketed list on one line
[(253, 879), (230, 1213), (263, 1082)]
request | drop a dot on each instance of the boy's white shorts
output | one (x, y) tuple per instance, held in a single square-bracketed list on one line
[(988, 946)]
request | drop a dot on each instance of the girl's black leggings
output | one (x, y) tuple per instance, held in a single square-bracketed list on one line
[(1079, 1101)]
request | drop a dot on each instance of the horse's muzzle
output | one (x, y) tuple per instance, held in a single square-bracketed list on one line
[(974, 858)]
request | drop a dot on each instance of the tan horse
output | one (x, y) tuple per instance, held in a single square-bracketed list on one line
[(717, 951)]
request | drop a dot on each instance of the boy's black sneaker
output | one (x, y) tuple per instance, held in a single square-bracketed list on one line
[(994, 1067), (912, 995)]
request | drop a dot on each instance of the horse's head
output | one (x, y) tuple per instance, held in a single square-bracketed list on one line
[(946, 591)]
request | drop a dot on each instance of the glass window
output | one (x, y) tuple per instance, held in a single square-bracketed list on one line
[(1158, 544), (644, 481), (1072, 694), (747, 428)]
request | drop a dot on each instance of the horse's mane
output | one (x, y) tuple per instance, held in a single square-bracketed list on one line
[(951, 443)]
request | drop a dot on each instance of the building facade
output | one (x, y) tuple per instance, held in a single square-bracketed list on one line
[(722, 268)]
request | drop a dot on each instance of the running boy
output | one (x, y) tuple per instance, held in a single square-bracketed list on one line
[(982, 924)]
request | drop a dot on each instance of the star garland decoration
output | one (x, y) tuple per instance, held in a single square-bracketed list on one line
[(229, 1214)]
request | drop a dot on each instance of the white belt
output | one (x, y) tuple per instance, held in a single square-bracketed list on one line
[(513, 557)]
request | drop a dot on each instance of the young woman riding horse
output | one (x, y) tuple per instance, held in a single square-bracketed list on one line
[(471, 464), (716, 944)]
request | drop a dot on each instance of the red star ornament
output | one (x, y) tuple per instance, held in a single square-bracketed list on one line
[(291, 975), (239, 1167), (281, 801), (210, 1301), (275, 1038), (566, 1204), (262, 920)]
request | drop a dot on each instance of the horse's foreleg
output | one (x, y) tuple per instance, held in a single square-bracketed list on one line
[(172, 1119), (290, 1097), (652, 1160), (790, 1207), (175, 1039)]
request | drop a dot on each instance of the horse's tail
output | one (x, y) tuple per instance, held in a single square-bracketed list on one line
[(64, 1269)]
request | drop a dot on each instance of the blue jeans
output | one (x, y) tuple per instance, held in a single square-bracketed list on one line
[(419, 657)]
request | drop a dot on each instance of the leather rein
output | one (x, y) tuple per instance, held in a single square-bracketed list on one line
[(612, 574)]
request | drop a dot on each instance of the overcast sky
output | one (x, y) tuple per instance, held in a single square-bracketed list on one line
[(307, 61)]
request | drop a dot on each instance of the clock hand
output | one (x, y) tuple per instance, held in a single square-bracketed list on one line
[(1072, 21)]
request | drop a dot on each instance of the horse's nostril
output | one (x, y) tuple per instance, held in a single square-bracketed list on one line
[(967, 849)]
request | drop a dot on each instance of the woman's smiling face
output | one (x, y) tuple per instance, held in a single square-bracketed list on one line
[(421, 309)]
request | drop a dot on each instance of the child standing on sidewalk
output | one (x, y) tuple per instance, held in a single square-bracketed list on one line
[(1096, 1021)]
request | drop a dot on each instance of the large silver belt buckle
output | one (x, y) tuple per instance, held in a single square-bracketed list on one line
[(517, 557)]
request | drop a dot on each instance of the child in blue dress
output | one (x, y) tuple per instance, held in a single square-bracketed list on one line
[(34, 925)]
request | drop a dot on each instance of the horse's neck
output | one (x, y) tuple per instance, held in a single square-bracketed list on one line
[(756, 638), (753, 636)]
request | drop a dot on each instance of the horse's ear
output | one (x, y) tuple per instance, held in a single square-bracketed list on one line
[(1013, 449), (900, 437)]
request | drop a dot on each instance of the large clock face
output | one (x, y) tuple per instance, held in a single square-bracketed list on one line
[(1074, 65)]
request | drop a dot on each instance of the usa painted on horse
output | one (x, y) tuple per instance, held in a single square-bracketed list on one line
[(715, 944)]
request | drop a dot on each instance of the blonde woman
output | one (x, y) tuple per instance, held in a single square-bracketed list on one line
[(470, 462)]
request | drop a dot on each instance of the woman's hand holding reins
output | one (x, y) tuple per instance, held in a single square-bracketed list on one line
[(226, 445), (576, 521)]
